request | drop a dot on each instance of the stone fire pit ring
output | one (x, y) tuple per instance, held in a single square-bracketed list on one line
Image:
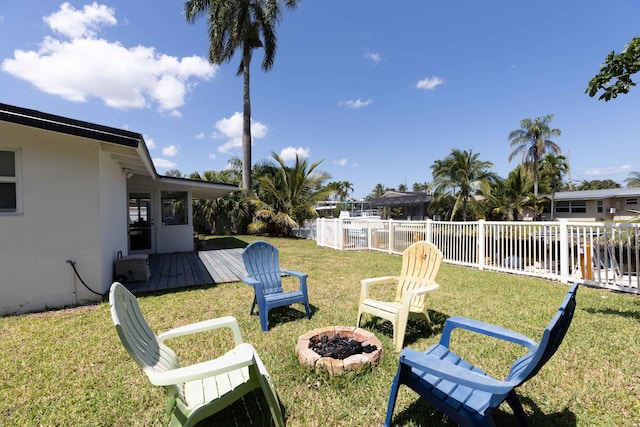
[(309, 358)]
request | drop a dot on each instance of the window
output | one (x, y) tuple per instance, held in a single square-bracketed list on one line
[(563, 207), (631, 202), (9, 182), (600, 206), (174, 207), (578, 206), (573, 206)]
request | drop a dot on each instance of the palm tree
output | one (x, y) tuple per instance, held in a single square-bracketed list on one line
[(508, 198), (223, 214), (552, 169), (532, 141), (241, 25), (461, 174), (378, 191), (287, 198), (633, 180)]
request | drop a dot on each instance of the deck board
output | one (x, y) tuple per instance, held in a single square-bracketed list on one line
[(185, 269)]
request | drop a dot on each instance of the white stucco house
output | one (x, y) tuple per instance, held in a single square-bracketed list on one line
[(81, 192)]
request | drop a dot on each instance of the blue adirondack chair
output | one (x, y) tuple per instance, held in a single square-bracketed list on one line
[(466, 394), (261, 260)]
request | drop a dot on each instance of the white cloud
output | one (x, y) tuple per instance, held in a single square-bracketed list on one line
[(170, 151), (289, 153), (164, 163), (341, 162), (356, 104), (608, 171), (74, 24), (86, 67), (429, 83), (375, 57), (200, 136), (150, 142), (212, 156), (231, 129)]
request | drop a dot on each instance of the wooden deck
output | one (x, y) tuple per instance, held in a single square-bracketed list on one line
[(185, 269)]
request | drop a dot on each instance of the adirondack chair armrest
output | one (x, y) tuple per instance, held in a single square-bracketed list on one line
[(241, 356), (365, 284), (206, 325), (412, 293), (301, 276), (294, 273), (485, 329), (250, 281), (435, 366)]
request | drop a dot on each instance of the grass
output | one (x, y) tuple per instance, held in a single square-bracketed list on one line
[(67, 367)]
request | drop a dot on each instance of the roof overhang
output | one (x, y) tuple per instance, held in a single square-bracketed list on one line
[(203, 190), (127, 148), (596, 194)]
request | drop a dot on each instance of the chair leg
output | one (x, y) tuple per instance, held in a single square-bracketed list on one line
[(516, 406), (399, 329), (393, 395), (253, 305), (264, 318), (269, 392), (307, 308)]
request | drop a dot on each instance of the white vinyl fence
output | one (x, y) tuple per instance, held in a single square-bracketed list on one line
[(594, 253)]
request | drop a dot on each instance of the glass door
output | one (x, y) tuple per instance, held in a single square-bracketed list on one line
[(140, 222)]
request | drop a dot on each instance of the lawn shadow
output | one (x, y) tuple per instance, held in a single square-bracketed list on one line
[(216, 243), (422, 414), (250, 410), (416, 328), (631, 314), (288, 314)]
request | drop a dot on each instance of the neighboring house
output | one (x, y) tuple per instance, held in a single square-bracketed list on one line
[(412, 204), (72, 190), (596, 205)]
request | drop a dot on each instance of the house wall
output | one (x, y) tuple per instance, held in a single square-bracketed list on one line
[(621, 213), (114, 220), (168, 238), (68, 214)]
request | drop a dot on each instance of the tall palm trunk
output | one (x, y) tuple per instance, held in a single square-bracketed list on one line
[(246, 121)]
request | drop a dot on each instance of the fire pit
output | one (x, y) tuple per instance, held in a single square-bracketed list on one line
[(336, 342)]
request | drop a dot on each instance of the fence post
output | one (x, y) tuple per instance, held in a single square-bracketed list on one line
[(564, 250), (429, 231), (392, 236), (480, 244)]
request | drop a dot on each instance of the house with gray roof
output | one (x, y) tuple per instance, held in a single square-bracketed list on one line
[(614, 204)]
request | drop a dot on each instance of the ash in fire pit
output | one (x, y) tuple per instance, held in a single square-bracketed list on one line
[(338, 349)]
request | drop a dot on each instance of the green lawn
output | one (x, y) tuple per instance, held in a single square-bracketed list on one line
[(67, 367)]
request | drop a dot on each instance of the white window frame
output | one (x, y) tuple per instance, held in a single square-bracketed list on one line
[(17, 180)]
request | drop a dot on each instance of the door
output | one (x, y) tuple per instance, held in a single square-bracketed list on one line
[(141, 224)]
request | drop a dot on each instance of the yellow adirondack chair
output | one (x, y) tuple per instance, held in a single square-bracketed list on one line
[(420, 264), (197, 391)]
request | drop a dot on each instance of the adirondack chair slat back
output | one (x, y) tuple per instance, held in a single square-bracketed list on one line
[(262, 262), (137, 337), (529, 364), (420, 265)]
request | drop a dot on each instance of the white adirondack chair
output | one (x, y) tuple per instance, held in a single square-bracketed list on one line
[(197, 391)]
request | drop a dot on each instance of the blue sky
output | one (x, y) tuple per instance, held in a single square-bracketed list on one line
[(376, 90)]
